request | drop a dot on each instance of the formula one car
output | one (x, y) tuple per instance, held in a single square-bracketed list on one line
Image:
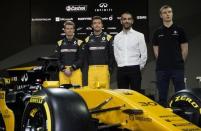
[(31, 101)]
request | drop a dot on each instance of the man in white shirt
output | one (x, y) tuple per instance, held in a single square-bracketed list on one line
[(130, 54)]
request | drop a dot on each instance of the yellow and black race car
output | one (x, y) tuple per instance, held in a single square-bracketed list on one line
[(31, 101)]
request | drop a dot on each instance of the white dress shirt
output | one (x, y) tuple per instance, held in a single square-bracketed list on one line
[(130, 49)]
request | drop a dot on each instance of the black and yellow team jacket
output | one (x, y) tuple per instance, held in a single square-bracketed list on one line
[(70, 53), (99, 50)]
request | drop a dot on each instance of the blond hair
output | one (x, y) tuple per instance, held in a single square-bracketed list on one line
[(164, 7), (69, 23)]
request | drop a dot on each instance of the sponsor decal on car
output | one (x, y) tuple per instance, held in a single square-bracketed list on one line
[(6, 114), (37, 99), (33, 112), (140, 118), (186, 99), (24, 77), (148, 103)]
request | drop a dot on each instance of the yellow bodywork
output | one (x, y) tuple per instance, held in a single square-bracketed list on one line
[(153, 116), (22, 68), (50, 84), (8, 115)]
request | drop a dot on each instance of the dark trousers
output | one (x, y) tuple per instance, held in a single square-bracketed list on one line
[(129, 77), (163, 79)]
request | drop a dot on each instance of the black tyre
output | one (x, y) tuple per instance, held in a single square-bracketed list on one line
[(2, 124), (56, 109), (187, 103)]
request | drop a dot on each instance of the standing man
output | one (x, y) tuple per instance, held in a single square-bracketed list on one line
[(170, 47), (70, 52), (100, 55), (130, 53)]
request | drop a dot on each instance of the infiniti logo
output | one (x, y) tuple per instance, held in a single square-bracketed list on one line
[(103, 5)]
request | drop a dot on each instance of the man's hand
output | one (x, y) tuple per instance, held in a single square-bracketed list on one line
[(184, 50), (67, 72), (141, 67), (156, 50)]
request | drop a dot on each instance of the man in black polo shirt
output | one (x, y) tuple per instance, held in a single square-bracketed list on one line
[(170, 48)]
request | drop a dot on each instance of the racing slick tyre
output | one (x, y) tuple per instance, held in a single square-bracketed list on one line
[(56, 109), (187, 104), (2, 124)]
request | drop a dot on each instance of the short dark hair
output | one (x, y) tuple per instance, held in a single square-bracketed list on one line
[(69, 23), (97, 18), (164, 7), (127, 12)]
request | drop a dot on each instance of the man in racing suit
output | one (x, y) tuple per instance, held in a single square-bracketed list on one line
[(100, 56), (70, 52)]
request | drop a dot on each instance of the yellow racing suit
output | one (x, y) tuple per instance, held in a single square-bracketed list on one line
[(100, 57)]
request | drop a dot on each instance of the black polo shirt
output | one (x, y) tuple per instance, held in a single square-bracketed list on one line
[(169, 41)]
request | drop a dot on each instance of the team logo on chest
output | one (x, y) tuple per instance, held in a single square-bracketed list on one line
[(160, 35), (91, 40), (103, 39), (175, 32), (75, 42)]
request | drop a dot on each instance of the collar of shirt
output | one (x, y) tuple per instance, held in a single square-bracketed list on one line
[(69, 41), (97, 35), (127, 32), (172, 26)]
